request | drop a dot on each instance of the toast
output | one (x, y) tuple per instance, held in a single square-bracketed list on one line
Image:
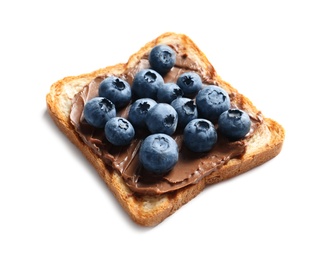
[(150, 209)]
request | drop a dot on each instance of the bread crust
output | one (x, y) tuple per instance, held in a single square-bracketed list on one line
[(150, 210)]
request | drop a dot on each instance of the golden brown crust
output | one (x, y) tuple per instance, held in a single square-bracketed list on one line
[(151, 210)]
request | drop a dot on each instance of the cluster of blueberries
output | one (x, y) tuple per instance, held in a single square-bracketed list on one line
[(162, 108)]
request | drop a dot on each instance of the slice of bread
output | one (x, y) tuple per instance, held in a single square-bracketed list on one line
[(147, 209)]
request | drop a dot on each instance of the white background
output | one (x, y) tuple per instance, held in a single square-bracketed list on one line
[(53, 204)]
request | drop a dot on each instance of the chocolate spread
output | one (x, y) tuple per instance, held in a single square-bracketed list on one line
[(190, 168)]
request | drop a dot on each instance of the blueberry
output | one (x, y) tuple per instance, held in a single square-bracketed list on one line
[(190, 83), (98, 110), (162, 58), (199, 135), (119, 131), (158, 153), (162, 118), (186, 109), (146, 83), (169, 92), (211, 101), (234, 124), (116, 90), (138, 111)]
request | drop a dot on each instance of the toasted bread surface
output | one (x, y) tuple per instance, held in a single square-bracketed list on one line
[(150, 210)]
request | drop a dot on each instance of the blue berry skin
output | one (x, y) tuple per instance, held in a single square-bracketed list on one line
[(162, 118), (116, 90), (169, 92), (234, 124), (190, 83), (199, 135), (162, 58), (146, 83), (158, 153), (138, 111), (211, 101), (119, 131), (98, 110), (186, 109)]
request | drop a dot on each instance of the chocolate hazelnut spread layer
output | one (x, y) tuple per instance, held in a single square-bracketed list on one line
[(190, 168)]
